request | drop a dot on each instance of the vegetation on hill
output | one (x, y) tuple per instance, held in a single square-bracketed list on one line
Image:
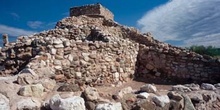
[(209, 50)]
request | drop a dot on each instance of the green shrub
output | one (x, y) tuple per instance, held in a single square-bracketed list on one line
[(209, 50)]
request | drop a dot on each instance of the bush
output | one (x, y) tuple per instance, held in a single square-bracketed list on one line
[(209, 50)]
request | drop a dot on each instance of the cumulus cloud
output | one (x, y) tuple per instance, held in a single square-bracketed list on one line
[(35, 24), (12, 31), (193, 22)]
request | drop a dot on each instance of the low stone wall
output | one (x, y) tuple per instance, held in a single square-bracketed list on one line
[(180, 65), (95, 9)]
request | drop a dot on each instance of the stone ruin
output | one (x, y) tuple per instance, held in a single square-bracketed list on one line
[(101, 51), (61, 68), (92, 10)]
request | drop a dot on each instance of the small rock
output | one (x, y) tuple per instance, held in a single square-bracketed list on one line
[(157, 74), (174, 96), (143, 95), (193, 87), (217, 85), (148, 88), (23, 79), (4, 103), (32, 90), (57, 41), (91, 94), (28, 104), (207, 86), (161, 100), (59, 46), (48, 84), (109, 106), (181, 88), (124, 91), (78, 75), (69, 88), (71, 103), (27, 71), (90, 105)]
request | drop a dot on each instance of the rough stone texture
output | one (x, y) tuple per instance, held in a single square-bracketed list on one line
[(161, 100), (148, 88), (124, 91), (109, 106), (4, 103), (207, 86), (36, 90), (28, 104), (181, 88), (71, 103), (95, 9)]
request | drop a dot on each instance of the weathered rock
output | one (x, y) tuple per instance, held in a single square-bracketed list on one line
[(161, 100), (109, 106), (71, 103), (91, 94), (148, 88), (217, 85), (69, 88), (207, 86), (28, 104), (4, 103), (181, 88), (36, 90), (188, 104), (23, 79), (48, 84), (143, 95), (124, 91), (174, 96), (193, 87), (195, 97)]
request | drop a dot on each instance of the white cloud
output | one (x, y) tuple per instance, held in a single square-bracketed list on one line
[(35, 24), (12, 31), (190, 21)]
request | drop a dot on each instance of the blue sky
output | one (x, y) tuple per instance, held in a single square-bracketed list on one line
[(179, 22)]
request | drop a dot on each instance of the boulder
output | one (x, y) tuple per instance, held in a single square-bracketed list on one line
[(109, 106), (161, 101), (28, 104), (4, 103), (71, 103), (148, 88), (36, 90), (207, 86)]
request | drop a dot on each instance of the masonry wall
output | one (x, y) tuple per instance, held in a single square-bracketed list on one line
[(168, 62), (95, 9)]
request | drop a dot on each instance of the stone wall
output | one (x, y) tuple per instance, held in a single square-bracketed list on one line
[(94, 9), (100, 51), (173, 63)]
